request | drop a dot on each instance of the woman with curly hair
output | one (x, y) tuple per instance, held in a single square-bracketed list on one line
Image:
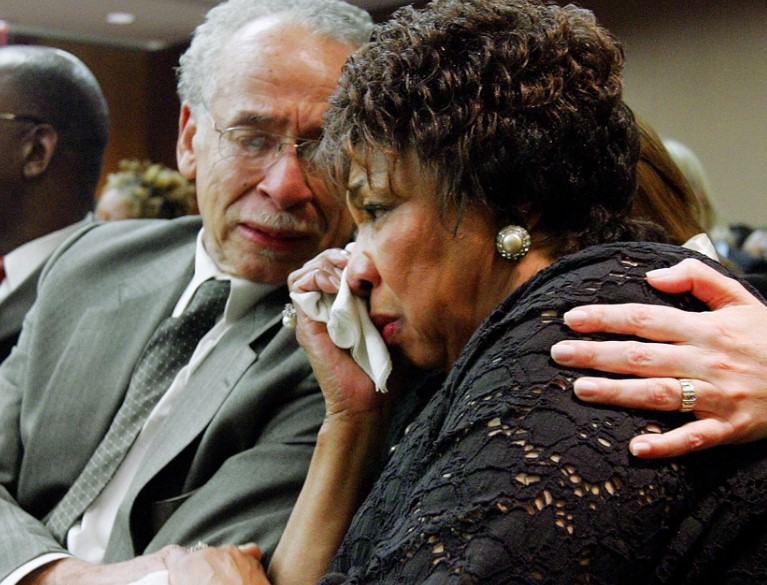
[(489, 163)]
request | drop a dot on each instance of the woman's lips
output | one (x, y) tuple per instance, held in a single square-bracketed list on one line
[(386, 325)]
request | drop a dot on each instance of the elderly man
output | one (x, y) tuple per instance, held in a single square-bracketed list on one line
[(107, 449), (55, 127)]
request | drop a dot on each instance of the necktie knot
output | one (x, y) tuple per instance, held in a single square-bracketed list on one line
[(208, 302), (175, 339)]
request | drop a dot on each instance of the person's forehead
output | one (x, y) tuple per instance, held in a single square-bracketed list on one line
[(387, 171), (279, 69)]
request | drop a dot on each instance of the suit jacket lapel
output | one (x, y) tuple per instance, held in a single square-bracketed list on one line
[(15, 306), (208, 388), (135, 309)]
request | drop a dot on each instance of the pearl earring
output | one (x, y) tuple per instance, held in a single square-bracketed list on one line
[(512, 242)]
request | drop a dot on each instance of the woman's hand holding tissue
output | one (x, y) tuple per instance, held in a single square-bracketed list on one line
[(322, 273), (347, 388)]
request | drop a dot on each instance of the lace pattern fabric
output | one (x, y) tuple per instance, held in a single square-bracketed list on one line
[(505, 477)]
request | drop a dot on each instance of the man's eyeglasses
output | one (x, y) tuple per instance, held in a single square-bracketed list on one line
[(260, 148), (21, 118)]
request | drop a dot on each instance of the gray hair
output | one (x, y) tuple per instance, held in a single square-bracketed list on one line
[(334, 19)]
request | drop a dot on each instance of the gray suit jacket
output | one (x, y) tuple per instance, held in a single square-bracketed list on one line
[(13, 308), (228, 462)]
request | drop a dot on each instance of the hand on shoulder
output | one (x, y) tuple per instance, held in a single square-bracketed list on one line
[(722, 352)]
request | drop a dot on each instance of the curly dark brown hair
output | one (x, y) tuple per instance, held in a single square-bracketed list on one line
[(512, 104)]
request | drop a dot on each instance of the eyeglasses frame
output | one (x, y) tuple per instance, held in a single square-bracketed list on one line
[(21, 118), (296, 143)]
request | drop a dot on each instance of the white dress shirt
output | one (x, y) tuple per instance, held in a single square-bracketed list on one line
[(88, 539)]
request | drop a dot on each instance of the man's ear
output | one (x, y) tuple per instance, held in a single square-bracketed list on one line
[(185, 155), (38, 149)]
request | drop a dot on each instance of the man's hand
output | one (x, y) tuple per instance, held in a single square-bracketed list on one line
[(233, 565), (723, 353), (75, 571)]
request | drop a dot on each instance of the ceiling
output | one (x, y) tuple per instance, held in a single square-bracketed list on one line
[(158, 24)]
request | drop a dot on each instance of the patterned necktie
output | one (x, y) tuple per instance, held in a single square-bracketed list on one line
[(168, 350)]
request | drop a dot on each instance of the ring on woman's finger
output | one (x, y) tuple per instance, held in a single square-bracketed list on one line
[(199, 545), (289, 317), (688, 395)]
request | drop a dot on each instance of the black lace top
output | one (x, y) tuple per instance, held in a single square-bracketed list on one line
[(505, 477)]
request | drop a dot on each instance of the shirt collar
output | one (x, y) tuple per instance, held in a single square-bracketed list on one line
[(242, 296)]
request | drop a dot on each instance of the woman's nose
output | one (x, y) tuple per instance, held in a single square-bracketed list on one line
[(361, 273)]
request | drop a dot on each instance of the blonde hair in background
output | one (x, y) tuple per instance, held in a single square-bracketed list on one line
[(664, 195), (152, 190), (691, 167)]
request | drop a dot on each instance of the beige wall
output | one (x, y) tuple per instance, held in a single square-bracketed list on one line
[(697, 71)]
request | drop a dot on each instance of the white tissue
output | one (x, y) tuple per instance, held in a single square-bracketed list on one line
[(350, 327)]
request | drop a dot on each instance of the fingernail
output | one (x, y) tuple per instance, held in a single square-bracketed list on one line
[(562, 352), (658, 273), (585, 388), (575, 317), (640, 449)]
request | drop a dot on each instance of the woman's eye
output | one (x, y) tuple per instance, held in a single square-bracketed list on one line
[(374, 211)]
